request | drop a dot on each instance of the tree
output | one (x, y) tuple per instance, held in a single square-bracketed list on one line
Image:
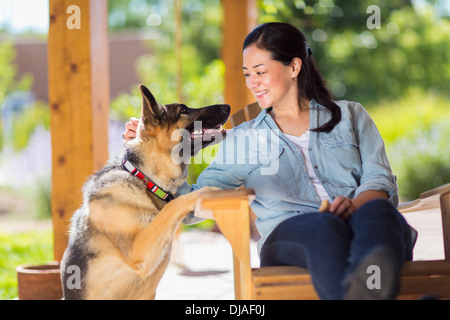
[(202, 69), (27, 121), (408, 49)]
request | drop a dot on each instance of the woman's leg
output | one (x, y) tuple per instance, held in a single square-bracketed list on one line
[(317, 241), (381, 242)]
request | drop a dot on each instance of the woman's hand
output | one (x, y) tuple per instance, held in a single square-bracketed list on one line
[(342, 207), (130, 129)]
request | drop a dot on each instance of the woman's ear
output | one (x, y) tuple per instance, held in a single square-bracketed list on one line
[(296, 66)]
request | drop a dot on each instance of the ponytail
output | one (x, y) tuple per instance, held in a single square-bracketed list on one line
[(312, 86)]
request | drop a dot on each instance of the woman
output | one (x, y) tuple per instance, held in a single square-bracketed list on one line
[(303, 148)]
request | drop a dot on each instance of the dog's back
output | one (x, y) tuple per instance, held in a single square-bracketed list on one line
[(75, 260)]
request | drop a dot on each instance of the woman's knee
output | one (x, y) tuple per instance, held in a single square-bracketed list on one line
[(307, 226), (284, 253), (382, 220), (378, 209), (300, 236)]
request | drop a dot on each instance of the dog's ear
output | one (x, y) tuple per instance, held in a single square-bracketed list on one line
[(151, 110)]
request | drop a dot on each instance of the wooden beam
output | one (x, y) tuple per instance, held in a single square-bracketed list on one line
[(240, 17), (79, 103)]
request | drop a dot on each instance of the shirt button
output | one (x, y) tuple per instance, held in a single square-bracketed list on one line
[(315, 167)]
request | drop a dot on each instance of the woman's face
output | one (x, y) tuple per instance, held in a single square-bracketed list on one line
[(272, 83)]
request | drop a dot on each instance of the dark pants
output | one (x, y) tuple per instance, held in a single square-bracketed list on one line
[(331, 248)]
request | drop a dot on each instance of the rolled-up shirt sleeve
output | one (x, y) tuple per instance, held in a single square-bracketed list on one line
[(377, 173)]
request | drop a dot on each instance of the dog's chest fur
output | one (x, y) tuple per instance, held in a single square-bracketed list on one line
[(105, 241)]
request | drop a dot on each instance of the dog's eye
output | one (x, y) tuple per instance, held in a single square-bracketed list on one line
[(183, 111)]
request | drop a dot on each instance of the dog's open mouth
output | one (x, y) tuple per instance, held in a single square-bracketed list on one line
[(203, 137), (207, 127), (208, 135)]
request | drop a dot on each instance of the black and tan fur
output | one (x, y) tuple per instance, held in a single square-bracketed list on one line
[(120, 239)]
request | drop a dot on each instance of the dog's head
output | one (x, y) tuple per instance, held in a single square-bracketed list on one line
[(175, 132)]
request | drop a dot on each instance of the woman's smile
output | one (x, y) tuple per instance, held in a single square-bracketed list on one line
[(261, 93)]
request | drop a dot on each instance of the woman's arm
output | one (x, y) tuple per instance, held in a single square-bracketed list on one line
[(377, 173)]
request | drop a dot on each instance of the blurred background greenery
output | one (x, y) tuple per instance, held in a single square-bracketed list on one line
[(400, 72)]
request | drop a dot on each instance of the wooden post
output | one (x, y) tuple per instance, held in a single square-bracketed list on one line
[(79, 102), (445, 210), (240, 17)]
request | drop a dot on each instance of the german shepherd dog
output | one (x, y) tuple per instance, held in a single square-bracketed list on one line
[(120, 238)]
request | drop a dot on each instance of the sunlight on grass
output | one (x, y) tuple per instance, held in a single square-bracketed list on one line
[(416, 111), (19, 248)]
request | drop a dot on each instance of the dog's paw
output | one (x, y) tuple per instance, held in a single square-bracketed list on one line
[(199, 211)]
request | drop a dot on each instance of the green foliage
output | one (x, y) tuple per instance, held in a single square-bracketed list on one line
[(40, 195), (415, 129), (19, 248), (422, 160), (201, 86), (8, 83), (409, 49), (417, 110), (202, 70), (26, 123)]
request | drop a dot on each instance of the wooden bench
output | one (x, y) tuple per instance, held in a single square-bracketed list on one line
[(231, 211)]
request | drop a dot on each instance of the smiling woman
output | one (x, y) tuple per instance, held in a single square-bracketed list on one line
[(287, 46)]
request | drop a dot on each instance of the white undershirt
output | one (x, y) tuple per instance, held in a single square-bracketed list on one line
[(302, 143)]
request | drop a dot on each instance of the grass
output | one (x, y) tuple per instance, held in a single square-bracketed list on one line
[(19, 248)]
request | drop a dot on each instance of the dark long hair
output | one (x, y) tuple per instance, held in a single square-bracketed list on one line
[(285, 42)]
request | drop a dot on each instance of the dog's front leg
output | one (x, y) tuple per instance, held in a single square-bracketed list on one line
[(149, 244)]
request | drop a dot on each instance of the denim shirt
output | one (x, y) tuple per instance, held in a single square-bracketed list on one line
[(349, 160)]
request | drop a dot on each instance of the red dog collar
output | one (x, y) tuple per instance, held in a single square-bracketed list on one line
[(150, 185)]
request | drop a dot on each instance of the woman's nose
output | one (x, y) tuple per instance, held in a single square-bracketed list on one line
[(252, 81)]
